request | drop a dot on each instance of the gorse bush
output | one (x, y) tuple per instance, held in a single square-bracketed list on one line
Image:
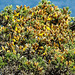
[(37, 41)]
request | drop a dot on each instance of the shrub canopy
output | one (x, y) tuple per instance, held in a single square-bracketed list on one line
[(37, 40)]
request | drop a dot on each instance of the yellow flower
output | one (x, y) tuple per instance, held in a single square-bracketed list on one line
[(14, 11), (15, 28), (13, 20), (19, 35), (22, 17), (49, 19), (38, 38), (74, 67), (44, 27), (67, 37), (7, 43), (66, 22), (51, 37), (44, 54), (3, 27), (38, 52), (17, 14), (14, 51), (70, 62), (22, 28), (59, 42), (24, 48), (23, 38), (54, 44), (41, 47), (17, 6), (46, 34), (13, 17), (13, 43), (36, 63), (17, 25), (49, 61), (41, 34), (17, 38), (62, 58), (32, 13), (40, 69), (47, 28), (57, 45), (20, 47), (6, 17), (25, 8), (52, 9), (74, 52), (27, 30), (14, 37), (8, 51), (3, 48), (14, 40), (18, 31), (55, 15), (18, 20), (52, 26)]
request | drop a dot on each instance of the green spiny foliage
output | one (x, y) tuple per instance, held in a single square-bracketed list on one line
[(37, 40)]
